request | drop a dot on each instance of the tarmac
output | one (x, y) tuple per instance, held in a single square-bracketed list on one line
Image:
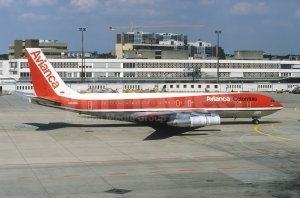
[(47, 152)]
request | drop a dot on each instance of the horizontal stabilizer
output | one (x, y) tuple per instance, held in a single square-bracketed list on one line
[(44, 102)]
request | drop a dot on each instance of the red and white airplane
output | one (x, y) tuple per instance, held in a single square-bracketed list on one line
[(174, 109)]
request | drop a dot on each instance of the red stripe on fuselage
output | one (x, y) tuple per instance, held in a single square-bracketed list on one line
[(251, 101)]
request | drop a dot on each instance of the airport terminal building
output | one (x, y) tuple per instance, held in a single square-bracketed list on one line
[(248, 71), (176, 75), (51, 48)]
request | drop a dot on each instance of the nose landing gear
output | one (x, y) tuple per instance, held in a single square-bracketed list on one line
[(255, 121)]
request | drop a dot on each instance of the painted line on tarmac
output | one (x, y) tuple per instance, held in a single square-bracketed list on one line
[(227, 168), (274, 127), (116, 174), (212, 156), (64, 163), (109, 161), (13, 129), (165, 159), (253, 155), (286, 132), (273, 136), (25, 177), (293, 153), (75, 175), (297, 109), (155, 172), (275, 165), (187, 171)]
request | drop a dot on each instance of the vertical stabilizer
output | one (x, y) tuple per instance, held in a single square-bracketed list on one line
[(46, 81)]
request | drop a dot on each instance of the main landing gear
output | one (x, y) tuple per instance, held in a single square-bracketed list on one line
[(255, 121)]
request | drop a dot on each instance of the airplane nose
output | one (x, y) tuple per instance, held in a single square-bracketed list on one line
[(279, 104)]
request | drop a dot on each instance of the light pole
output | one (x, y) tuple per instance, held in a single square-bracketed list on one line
[(217, 54), (82, 73)]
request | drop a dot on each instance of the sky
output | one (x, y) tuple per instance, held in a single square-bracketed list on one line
[(272, 26)]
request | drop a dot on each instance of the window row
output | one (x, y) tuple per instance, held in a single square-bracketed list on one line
[(25, 74), (74, 74), (191, 86), (97, 86), (86, 66), (131, 86), (177, 103), (57, 65), (234, 86), (286, 74), (264, 86), (24, 87), (128, 65)]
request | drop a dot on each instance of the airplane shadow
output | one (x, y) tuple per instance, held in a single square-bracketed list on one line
[(164, 133), (247, 122), (60, 125), (160, 132)]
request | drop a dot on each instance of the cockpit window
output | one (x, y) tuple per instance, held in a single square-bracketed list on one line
[(272, 100)]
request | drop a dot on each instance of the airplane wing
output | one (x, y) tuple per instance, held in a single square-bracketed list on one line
[(168, 113), (188, 118)]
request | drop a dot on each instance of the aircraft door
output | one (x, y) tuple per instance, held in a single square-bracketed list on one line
[(177, 103), (248, 105), (189, 102), (89, 105)]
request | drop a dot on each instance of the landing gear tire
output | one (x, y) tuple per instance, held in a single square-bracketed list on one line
[(255, 121)]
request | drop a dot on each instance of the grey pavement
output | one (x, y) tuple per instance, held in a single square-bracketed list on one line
[(46, 152)]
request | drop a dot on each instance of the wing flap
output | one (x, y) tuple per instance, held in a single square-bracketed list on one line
[(167, 114), (152, 114)]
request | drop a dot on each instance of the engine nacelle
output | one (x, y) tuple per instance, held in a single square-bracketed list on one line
[(196, 121)]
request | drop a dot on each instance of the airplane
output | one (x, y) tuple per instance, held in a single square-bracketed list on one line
[(189, 110)]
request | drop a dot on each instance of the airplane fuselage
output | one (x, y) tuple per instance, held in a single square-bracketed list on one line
[(227, 105)]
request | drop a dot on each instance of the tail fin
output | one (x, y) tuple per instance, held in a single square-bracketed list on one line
[(46, 81)]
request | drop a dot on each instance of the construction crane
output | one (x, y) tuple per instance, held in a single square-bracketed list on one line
[(133, 28)]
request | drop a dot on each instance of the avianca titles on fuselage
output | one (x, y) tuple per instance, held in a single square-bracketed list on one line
[(175, 109)]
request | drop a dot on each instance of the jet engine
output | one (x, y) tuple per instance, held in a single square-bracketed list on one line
[(196, 121)]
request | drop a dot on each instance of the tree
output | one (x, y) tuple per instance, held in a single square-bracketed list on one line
[(106, 55), (3, 56), (222, 54)]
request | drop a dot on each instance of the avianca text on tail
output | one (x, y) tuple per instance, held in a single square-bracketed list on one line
[(174, 109), (44, 68)]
